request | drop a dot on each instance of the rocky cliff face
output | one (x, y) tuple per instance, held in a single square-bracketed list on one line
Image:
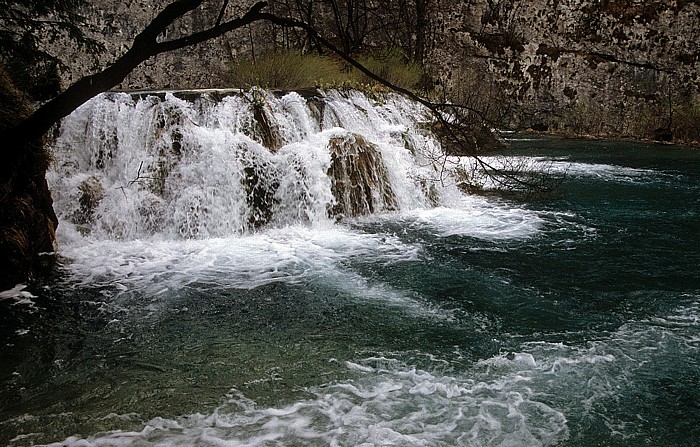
[(613, 67), (116, 23), (600, 67)]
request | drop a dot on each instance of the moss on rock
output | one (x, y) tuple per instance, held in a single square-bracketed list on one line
[(360, 181)]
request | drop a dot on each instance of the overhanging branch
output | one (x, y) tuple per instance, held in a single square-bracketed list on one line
[(145, 46), (219, 30)]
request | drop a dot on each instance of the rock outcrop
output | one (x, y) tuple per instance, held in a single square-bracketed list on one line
[(27, 219), (359, 178), (115, 23), (607, 67)]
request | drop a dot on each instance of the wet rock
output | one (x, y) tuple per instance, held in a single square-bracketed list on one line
[(663, 134), (360, 182), (91, 194), (260, 189), (267, 130)]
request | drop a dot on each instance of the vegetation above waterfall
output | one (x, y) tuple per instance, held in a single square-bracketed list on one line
[(293, 70)]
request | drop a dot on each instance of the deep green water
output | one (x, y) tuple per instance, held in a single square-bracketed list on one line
[(572, 322)]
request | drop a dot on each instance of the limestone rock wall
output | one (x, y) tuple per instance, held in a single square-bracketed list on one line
[(581, 66), (604, 67), (115, 24)]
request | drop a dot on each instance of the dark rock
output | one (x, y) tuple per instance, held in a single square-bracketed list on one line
[(360, 181), (663, 134), (260, 189), (91, 194), (266, 129), (27, 220)]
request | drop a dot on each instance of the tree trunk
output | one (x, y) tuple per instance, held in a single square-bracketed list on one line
[(421, 30)]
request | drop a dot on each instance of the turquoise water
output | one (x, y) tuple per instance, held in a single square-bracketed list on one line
[(570, 322)]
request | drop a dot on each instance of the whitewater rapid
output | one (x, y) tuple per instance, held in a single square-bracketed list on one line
[(210, 214)]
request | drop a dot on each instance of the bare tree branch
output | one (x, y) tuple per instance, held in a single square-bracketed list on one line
[(145, 46), (251, 16), (221, 13)]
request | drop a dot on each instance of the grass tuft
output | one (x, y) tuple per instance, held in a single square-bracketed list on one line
[(292, 70)]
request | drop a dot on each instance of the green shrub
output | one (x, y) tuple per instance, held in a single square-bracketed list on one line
[(390, 65), (285, 69), (294, 70), (686, 121)]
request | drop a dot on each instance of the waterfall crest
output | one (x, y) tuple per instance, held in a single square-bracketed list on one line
[(219, 163)]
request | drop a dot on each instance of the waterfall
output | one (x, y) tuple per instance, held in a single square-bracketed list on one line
[(200, 164)]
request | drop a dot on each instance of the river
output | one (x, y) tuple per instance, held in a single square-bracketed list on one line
[(478, 321)]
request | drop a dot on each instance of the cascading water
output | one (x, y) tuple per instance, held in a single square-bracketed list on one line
[(259, 269), (138, 166)]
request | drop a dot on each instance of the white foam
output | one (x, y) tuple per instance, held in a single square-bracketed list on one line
[(19, 297), (603, 171), (15, 292), (293, 255), (526, 397), (472, 216), (388, 403), (289, 255), (549, 166)]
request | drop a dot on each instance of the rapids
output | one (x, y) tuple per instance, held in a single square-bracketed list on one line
[(271, 269)]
